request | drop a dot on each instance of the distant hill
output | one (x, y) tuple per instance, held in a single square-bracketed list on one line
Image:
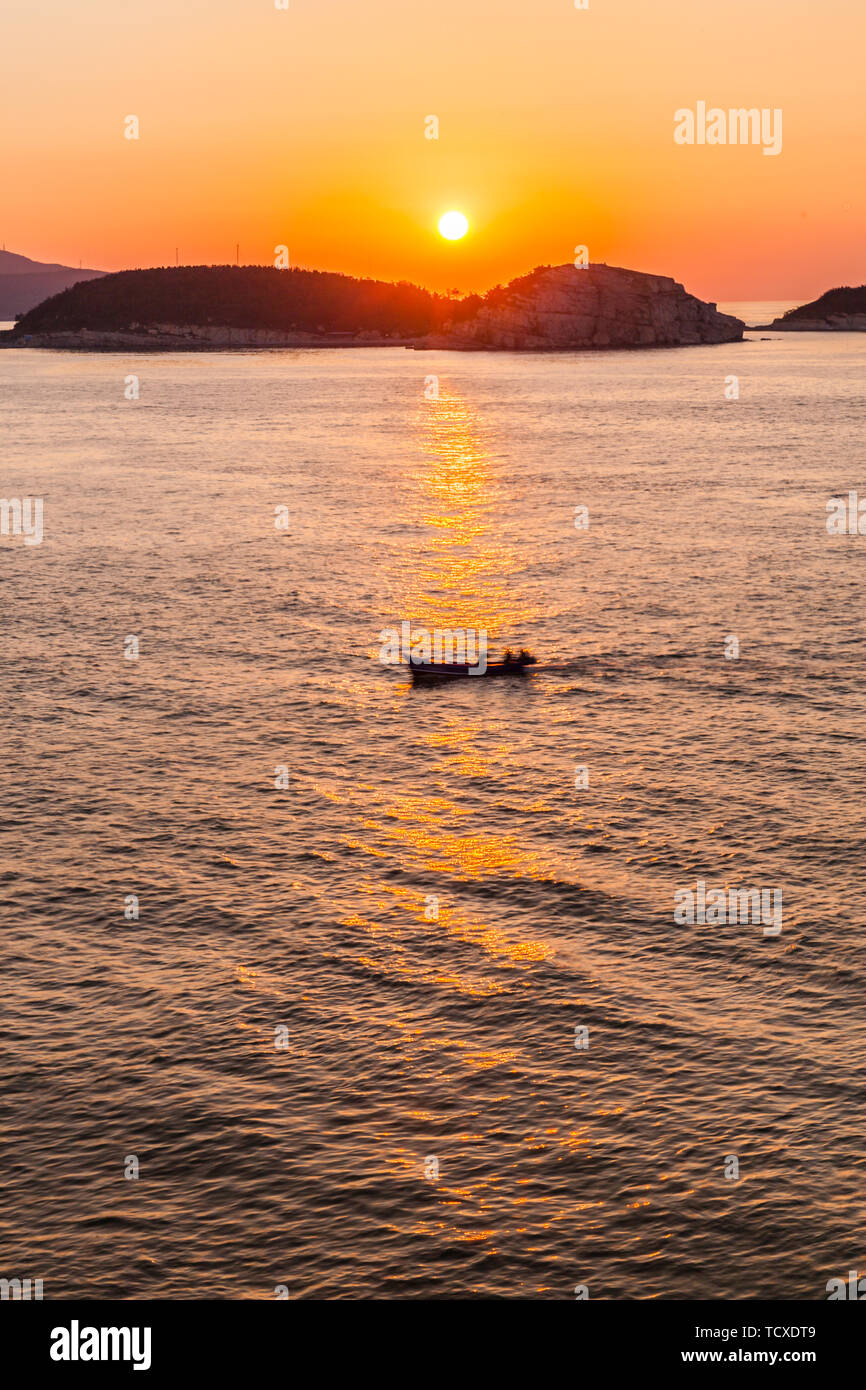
[(201, 307), (25, 283), (840, 310)]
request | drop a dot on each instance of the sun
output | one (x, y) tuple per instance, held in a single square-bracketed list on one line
[(453, 225)]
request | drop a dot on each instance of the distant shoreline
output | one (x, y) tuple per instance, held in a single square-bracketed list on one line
[(566, 308), (96, 342), (239, 340)]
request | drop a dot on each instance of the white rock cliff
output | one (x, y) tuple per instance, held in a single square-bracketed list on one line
[(595, 306)]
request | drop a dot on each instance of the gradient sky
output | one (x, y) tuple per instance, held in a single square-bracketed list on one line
[(306, 127)]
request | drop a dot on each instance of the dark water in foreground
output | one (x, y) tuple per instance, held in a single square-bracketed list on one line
[(408, 1038)]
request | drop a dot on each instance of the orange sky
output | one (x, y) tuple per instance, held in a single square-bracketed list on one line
[(306, 127)]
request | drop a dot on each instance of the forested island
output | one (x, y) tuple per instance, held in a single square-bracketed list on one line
[(204, 307), (841, 310), (244, 297)]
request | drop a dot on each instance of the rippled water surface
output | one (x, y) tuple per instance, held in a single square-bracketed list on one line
[(309, 907)]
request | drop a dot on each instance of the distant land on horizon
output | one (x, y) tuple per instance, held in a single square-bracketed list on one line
[(25, 283), (196, 307), (842, 310)]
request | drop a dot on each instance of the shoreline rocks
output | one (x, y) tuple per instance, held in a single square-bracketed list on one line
[(833, 323), (191, 338)]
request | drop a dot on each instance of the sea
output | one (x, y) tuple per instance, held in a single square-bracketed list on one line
[(318, 984)]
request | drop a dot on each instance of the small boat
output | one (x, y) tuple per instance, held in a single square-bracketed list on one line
[(510, 665)]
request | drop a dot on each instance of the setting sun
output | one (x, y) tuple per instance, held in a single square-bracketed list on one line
[(453, 225)]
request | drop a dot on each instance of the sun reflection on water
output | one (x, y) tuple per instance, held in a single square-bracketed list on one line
[(462, 567)]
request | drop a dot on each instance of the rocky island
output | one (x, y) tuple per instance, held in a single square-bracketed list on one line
[(592, 306), (837, 311), (205, 307)]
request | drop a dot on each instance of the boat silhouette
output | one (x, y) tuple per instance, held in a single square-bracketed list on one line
[(510, 665)]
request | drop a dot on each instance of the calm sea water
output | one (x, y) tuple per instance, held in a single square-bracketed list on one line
[(308, 908), (759, 311)]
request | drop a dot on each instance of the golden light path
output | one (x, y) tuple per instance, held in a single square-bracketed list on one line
[(460, 575), (460, 570)]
